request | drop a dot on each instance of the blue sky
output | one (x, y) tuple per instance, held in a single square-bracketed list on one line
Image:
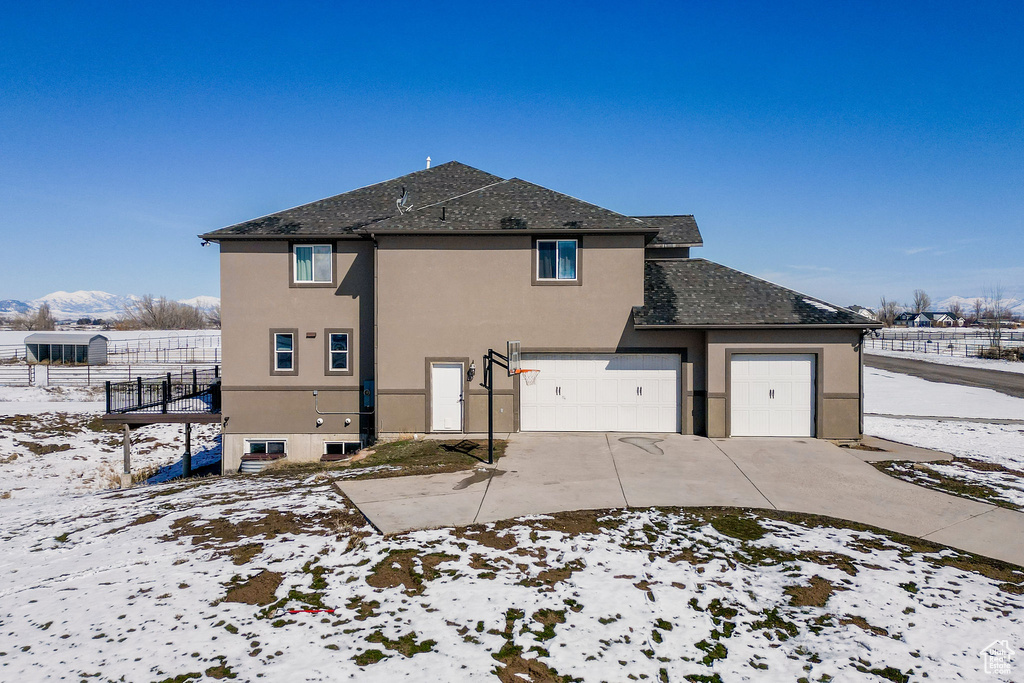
[(849, 150)]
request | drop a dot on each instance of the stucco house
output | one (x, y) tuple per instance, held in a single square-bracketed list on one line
[(366, 315)]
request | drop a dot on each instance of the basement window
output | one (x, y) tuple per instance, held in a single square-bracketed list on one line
[(264, 447)]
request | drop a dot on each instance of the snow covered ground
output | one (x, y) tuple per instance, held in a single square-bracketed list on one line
[(959, 361), (188, 582), (52, 442), (989, 458)]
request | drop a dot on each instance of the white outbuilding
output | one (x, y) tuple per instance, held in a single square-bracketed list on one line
[(69, 348)]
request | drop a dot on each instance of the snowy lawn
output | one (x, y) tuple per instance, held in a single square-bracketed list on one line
[(988, 460), (198, 580), (53, 442)]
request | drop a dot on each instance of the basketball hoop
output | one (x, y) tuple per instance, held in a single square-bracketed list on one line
[(528, 376)]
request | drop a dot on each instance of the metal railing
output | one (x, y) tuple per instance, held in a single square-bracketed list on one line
[(197, 391), (951, 348)]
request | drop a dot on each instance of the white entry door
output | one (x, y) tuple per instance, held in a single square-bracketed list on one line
[(601, 392), (772, 394), (446, 397)]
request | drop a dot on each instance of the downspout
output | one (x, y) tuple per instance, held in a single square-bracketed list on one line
[(860, 380), (376, 317)]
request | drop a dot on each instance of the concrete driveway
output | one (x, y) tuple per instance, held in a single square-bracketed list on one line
[(545, 473)]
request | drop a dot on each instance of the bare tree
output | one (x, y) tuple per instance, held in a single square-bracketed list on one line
[(922, 302), (956, 311), (978, 310), (149, 313), (887, 311), (213, 316), (997, 312), (42, 319)]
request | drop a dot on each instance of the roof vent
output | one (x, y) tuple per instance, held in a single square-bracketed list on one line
[(428, 162)]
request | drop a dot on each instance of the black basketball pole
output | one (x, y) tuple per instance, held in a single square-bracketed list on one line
[(489, 360)]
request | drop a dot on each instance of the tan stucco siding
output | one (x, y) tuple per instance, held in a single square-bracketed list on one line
[(256, 297), (457, 296), (837, 373)]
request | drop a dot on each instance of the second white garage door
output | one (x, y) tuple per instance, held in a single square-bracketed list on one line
[(601, 392), (772, 394)]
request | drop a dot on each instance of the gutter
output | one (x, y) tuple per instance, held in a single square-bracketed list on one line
[(765, 326)]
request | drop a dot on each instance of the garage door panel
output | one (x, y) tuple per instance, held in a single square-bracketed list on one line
[(772, 395), (602, 392)]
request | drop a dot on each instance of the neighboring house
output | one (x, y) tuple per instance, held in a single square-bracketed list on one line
[(383, 301), (929, 319), (69, 348)]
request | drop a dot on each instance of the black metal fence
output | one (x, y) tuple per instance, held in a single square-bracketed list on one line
[(197, 391)]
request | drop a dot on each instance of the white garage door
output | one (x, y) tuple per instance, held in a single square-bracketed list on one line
[(772, 395), (601, 392)]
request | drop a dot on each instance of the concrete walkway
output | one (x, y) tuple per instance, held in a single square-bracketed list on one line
[(545, 473)]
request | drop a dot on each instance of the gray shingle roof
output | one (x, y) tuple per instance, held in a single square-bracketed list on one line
[(696, 292), (345, 213), (675, 230), (466, 199), (511, 205)]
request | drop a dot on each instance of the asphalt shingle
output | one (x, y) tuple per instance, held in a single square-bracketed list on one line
[(675, 230), (703, 293)]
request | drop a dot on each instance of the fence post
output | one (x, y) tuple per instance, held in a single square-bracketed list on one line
[(108, 396), (195, 385), (139, 385)]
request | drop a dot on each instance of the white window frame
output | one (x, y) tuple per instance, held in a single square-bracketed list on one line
[(277, 357), (331, 352), (312, 280), (250, 442), (576, 265)]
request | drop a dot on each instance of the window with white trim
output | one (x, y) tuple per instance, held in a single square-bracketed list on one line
[(338, 351), (312, 263), (265, 447), (556, 259), (284, 351)]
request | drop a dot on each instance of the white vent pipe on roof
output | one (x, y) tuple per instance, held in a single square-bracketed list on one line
[(428, 162)]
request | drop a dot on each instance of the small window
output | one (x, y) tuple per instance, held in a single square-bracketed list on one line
[(265, 447), (341, 447), (338, 350), (284, 351), (313, 263), (556, 259)]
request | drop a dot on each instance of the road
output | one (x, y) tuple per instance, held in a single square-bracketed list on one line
[(1010, 383)]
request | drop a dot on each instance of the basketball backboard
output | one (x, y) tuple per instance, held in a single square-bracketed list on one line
[(512, 352)]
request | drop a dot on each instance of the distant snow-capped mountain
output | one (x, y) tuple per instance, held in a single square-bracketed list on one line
[(88, 304), (202, 301), (13, 306), (1015, 306)]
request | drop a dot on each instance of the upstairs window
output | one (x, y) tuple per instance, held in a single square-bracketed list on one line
[(338, 350), (313, 263), (284, 351), (556, 259)]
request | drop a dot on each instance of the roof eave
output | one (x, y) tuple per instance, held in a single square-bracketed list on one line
[(214, 237), (674, 245), (763, 326)]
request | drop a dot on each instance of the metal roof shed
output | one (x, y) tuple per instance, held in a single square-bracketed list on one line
[(72, 348)]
